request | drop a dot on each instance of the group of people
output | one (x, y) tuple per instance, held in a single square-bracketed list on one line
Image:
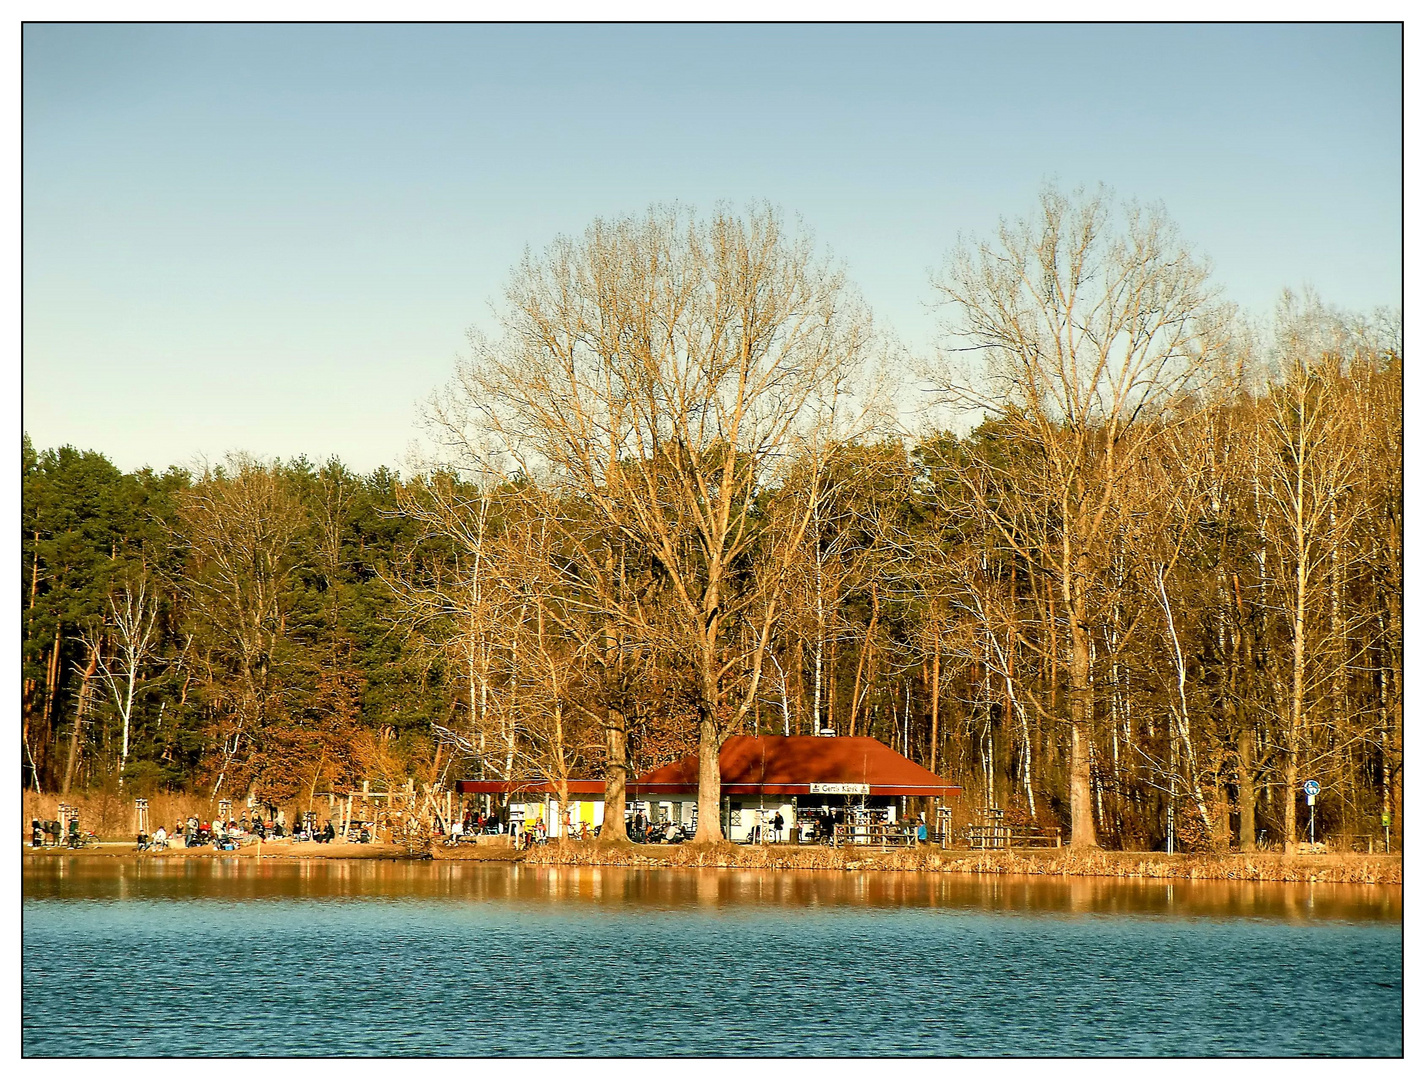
[(229, 835), (526, 831), (643, 831), (51, 834), (473, 823), (195, 832)]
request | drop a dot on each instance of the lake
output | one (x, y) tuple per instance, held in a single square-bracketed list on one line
[(237, 957)]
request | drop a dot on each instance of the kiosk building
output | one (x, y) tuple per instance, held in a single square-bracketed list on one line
[(808, 779)]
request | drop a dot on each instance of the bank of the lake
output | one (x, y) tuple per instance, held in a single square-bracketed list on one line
[(1062, 862), (1058, 862)]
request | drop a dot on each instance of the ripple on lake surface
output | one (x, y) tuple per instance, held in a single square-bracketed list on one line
[(228, 957)]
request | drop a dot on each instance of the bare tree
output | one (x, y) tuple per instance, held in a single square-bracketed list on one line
[(135, 639), (1094, 324), (657, 371), (455, 603), (240, 525), (1312, 462)]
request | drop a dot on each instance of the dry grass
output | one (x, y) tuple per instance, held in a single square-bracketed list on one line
[(1061, 862), (111, 816)]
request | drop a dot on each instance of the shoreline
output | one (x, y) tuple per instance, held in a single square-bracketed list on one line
[(1048, 862), (1052, 862)]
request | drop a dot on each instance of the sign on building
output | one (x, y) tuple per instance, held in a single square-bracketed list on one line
[(840, 789)]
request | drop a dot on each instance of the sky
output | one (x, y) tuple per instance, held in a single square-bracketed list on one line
[(273, 239)]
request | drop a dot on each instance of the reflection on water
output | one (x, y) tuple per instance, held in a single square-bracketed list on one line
[(243, 879), (235, 957)]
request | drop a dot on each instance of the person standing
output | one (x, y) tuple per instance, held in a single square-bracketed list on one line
[(777, 823)]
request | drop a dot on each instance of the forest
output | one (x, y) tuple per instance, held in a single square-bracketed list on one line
[(1138, 561)]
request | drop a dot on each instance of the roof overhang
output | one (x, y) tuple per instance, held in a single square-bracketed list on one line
[(527, 787), (878, 790), (597, 787)]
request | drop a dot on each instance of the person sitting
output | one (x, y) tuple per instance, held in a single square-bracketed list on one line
[(329, 833), (160, 839)]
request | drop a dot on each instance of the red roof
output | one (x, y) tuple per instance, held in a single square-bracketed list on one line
[(541, 787), (790, 764)]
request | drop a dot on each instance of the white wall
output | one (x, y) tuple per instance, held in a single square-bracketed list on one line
[(744, 821)]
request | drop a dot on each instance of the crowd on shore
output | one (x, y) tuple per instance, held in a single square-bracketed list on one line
[(196, 832)]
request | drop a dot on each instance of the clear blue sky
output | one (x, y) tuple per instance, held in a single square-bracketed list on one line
[(274, 238)]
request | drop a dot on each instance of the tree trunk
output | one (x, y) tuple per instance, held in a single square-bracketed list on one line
[(1246, 784), (80, 708), (1298, 699), (1289, 800), (1081, 823), (51, 682), (29, 752), (709, 778), (866, 648), (615, 776), (935, 702)]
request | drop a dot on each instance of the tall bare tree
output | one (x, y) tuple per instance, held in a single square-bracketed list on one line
[(240, 524), (1093, 324), (135, 639), (1312, 462), (658, 370)]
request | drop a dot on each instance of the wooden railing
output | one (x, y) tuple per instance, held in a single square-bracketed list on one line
[(882, 836), (992, 832)]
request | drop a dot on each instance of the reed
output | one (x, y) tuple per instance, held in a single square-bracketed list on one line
[(1061, 862), (111, 815)]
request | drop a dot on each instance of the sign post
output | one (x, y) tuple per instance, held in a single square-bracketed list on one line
[(1312, 789)]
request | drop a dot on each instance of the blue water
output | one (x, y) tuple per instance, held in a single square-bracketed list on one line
[(220, 957)]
